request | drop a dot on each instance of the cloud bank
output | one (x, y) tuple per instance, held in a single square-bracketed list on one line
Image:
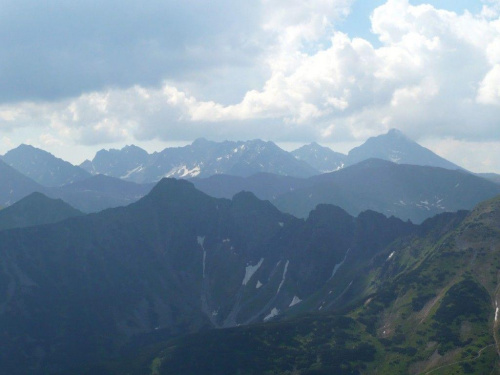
[(274, 69)]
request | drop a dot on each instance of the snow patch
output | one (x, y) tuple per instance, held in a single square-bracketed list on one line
[(184, 171), (390, 256), (284, 276), (132, 171), (250, 270), (496, 311), (274, 312), (296, 300), (201, 241), (281, 224), (337, 266), (259, 284)]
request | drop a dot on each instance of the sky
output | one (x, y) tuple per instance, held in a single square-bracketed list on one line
[(79, 76)]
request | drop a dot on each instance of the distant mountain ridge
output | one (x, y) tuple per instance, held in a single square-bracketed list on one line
[(202, 158), (43, 167), (322, 158), (405, 191), (14, 185), (393, 146), (205, 158)]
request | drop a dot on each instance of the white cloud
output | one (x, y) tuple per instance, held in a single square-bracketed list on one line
[(435, 73), (489, 89), (474, 156)]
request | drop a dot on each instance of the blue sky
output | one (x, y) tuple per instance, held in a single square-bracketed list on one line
[(84, 75), (357, 24)]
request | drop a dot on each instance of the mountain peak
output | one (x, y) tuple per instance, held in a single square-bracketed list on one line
[(36, 209), (395, 146), (43, 167), (200, 141), (395, 133), (320, 157), (171, 189)]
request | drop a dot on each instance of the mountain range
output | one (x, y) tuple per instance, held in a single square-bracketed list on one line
[(205, 158), (176, 261), (425, 303), (393, 146), (202, 158), (81, 289), (414, 192), (409, 192), (92, 194)]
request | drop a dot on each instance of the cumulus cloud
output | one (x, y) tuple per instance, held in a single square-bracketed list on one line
[(435, 73)]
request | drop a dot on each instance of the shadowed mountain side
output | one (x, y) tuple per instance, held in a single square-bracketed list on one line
[(176, 261), (405, 191), (36, 209), (424, 304), (14, 185)]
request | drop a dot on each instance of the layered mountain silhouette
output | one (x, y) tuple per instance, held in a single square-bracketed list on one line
[(383, 186), (99, 192), (405, 191), (205, 158), (93, 194)]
